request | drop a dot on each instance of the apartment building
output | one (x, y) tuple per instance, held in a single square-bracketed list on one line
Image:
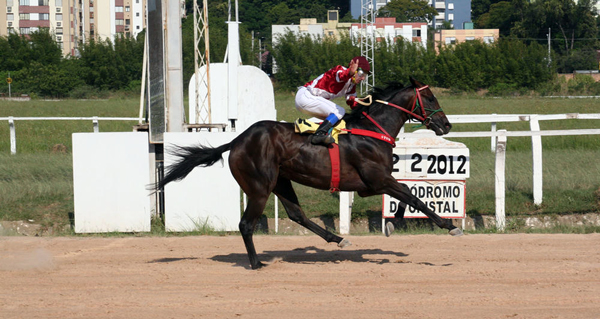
[(73, 21), (457, 12)]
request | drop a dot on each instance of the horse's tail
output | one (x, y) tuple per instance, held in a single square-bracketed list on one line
[(189, 158)]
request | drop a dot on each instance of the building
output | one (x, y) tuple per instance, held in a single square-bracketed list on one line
[(389, 29), (449, 37), (385, 28), (457, 12), (73, 21), (309, 26)]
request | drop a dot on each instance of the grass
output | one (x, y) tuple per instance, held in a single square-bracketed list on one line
[(37, 183)]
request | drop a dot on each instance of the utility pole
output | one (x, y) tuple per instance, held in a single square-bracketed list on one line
[(549, 36)]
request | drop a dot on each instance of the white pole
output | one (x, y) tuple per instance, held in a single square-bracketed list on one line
[(276, 216), (13, 136), (144, 67), (500, 182), (494, 138), (536, 149), (95, 123), (346, 199)]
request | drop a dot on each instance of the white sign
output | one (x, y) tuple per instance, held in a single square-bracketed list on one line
[(110, 174), (430, 163), (424, 155), (208, 196), (445, 198)]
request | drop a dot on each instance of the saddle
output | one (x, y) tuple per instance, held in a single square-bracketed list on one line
[(303, 126), (308, 127)]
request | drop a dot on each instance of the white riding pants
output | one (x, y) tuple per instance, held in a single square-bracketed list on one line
[(317, 106)]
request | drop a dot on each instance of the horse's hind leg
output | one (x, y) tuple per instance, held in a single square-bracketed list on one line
[(288, 198), (251, 215), (402, 193)]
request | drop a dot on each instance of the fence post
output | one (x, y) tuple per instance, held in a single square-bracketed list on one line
[(95, 121), (536, 150), (346, 200), (13, 136), (494, 139), (500, 181)]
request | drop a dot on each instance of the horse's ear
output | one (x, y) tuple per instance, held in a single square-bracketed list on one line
[(415, 83)]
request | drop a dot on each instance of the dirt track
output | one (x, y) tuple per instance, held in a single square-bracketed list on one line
[(425, 276)]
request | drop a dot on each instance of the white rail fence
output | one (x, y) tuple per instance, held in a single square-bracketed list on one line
[(498, 144), (95, 122)]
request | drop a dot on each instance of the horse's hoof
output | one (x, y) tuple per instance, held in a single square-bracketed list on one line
[(258, 265), (344, 243), (456, 232), (389, 229)]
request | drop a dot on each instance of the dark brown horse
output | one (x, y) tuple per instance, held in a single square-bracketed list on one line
[(266, 157)]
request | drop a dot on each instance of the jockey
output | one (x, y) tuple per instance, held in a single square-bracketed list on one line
[(314, 98)]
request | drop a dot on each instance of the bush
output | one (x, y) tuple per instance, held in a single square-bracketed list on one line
[(502, 89), (84, 92)]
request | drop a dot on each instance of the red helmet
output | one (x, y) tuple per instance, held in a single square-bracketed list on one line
[(363, 64)]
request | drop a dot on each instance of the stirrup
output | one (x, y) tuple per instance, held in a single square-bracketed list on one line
[(325, 139)]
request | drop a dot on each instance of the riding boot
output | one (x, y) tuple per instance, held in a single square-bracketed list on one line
[(322, 135)]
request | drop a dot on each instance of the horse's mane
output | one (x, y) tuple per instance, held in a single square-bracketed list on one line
[(377, 93)]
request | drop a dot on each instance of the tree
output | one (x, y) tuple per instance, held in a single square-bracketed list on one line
[(408, 11)]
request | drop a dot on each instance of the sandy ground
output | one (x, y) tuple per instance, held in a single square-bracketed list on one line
[(422, 276)]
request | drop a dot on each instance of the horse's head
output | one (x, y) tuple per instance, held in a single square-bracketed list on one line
[(426, 109)]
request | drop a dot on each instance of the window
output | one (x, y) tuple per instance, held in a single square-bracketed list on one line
[(119, 22), (137, 14), (58, 3), (10, 17), (137, 27), (450, 40), (10, 29), (42, 2), (24, 30), (59, 38), (58, 9), (416, 32), (58, 17), (127, 21), (451, 17), (118, 9), (8, 9), (59, 24), (59, 30), (488, 39), (450, 6), (127, 9), (91, 9), (9, 3), (10, 24), (23, 16), (469, 38), (24, 2), (44, 16)]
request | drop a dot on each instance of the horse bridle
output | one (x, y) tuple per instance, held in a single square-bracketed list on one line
[(424, 118)]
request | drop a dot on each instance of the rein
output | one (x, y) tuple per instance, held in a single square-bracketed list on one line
[(386, 137)]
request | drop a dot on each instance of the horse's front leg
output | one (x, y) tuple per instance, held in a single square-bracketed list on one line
[(402, 193)]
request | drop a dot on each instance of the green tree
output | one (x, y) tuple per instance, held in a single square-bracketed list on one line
[(408, 11)]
